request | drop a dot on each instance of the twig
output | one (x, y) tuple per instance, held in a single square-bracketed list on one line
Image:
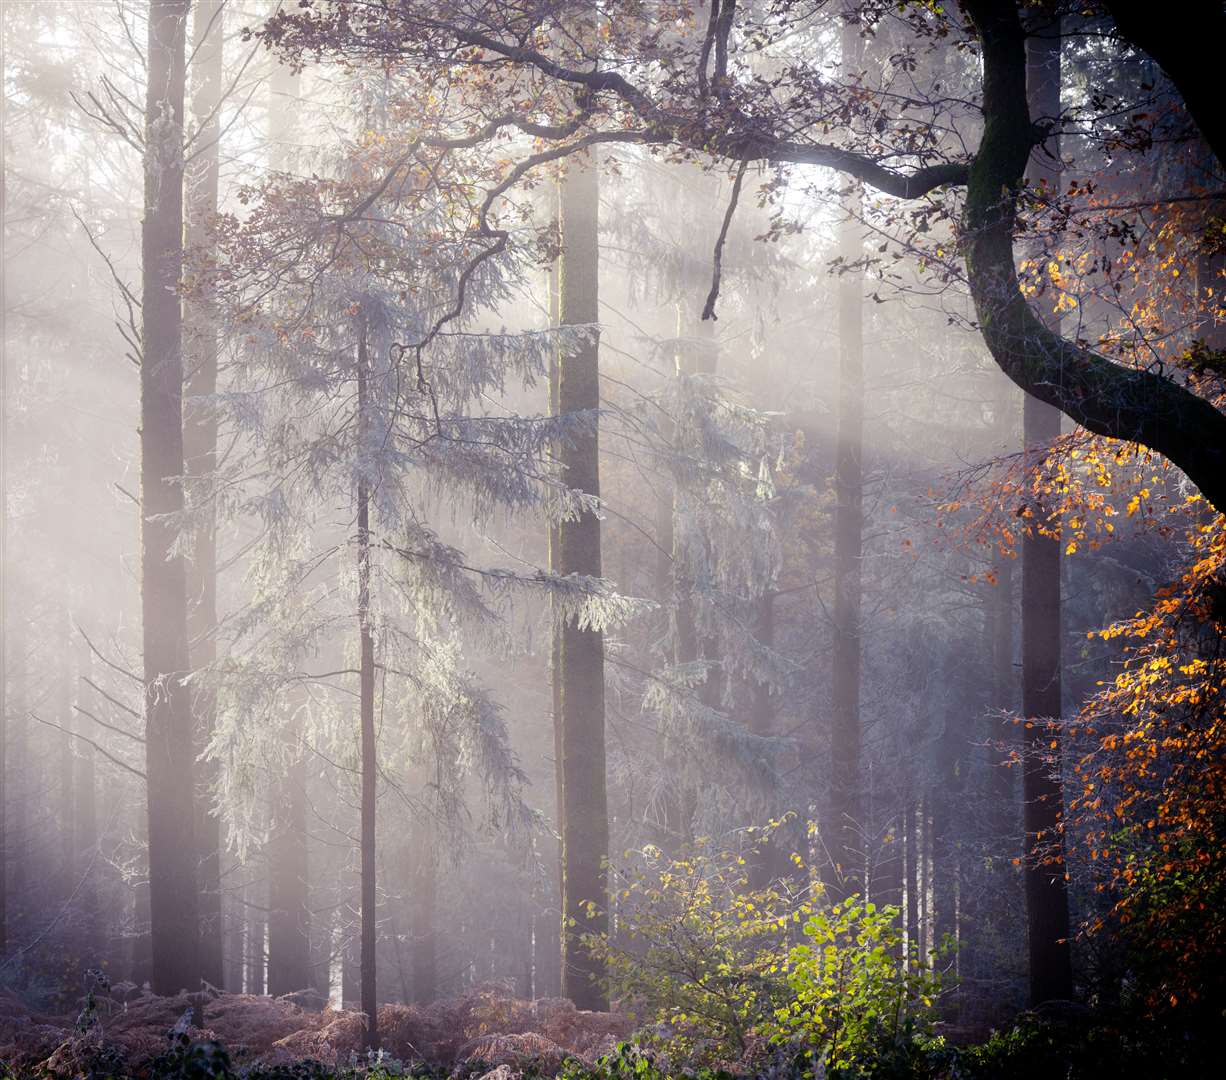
[(106, 754), (708, 310)]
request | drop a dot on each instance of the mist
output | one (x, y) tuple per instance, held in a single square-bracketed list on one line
[(563, 538)]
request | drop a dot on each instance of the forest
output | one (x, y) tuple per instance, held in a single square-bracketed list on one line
[(612, 540)]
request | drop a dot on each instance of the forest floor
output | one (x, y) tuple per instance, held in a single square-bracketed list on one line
[(468, 1035)]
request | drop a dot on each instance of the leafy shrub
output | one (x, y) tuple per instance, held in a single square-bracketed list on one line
[(853, 1004), (737, 976)]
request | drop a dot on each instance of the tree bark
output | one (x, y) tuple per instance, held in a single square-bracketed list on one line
[(423, 955), (911, 858), (846, 798), (85, 811), (170, 743), (200, 449), (289, 943), (255, 955), (1187, 48), (579, 665), (289, 927), (1101, 395), (369, 762), (1047, 914)]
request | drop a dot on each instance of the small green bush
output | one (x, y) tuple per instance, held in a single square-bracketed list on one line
[(733, 976)]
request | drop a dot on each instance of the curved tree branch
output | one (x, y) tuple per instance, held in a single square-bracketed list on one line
[(1102, 396)]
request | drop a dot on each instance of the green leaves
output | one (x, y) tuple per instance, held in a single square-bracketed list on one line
[(730, 974)]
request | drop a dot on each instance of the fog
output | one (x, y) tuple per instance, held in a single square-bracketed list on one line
[(449, 500)]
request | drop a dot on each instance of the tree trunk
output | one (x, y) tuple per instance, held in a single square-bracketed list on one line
[(579, 665), (1104, 397), (1047, 914), (289, 941), (423, 957), (235, 918), (768, 861), (369, 764), (169, 735), (846, 800), (944, 856), (85, 811), (64, 684), (289, 931), (256, 955), (911, 859), (4, 534), (18, 781), (200, 449), (698, 355)]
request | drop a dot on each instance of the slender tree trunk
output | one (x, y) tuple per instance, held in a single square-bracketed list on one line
[(698, 355), (768, 862), (64, 717), (169, 735), (289, 929), (423, 958), (847, 810), (549, 943), (944, 799), (369, 765), (351, 973), (4, 525), (19, 780), (886, 877), (85, 811), (1000, 619), (200, 448), (235, 918), (911, 857), (256, 954), (141, 953), (579, 666), (289, 942), (1047, 914)]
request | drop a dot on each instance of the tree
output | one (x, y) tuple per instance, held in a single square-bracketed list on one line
[(200, 445), (1047, 914), (582, 811), (713, 105), (847, 817), (169, 729)]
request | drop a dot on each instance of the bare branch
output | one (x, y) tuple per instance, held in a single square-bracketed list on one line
[(708, 309)]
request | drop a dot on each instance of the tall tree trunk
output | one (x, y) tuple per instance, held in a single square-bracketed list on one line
[(4, 524), (19, 779), (768, 861), (846, 800), (1047, 914), (289, 944), (235, 918), (369, 764), (911, 849), (423, 956), (579, 663), (64, 717), (169, 735), (289, 928), (85, 810), (944, 799), (548, 938), (255, 955), (698, 354), (200, 449)]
